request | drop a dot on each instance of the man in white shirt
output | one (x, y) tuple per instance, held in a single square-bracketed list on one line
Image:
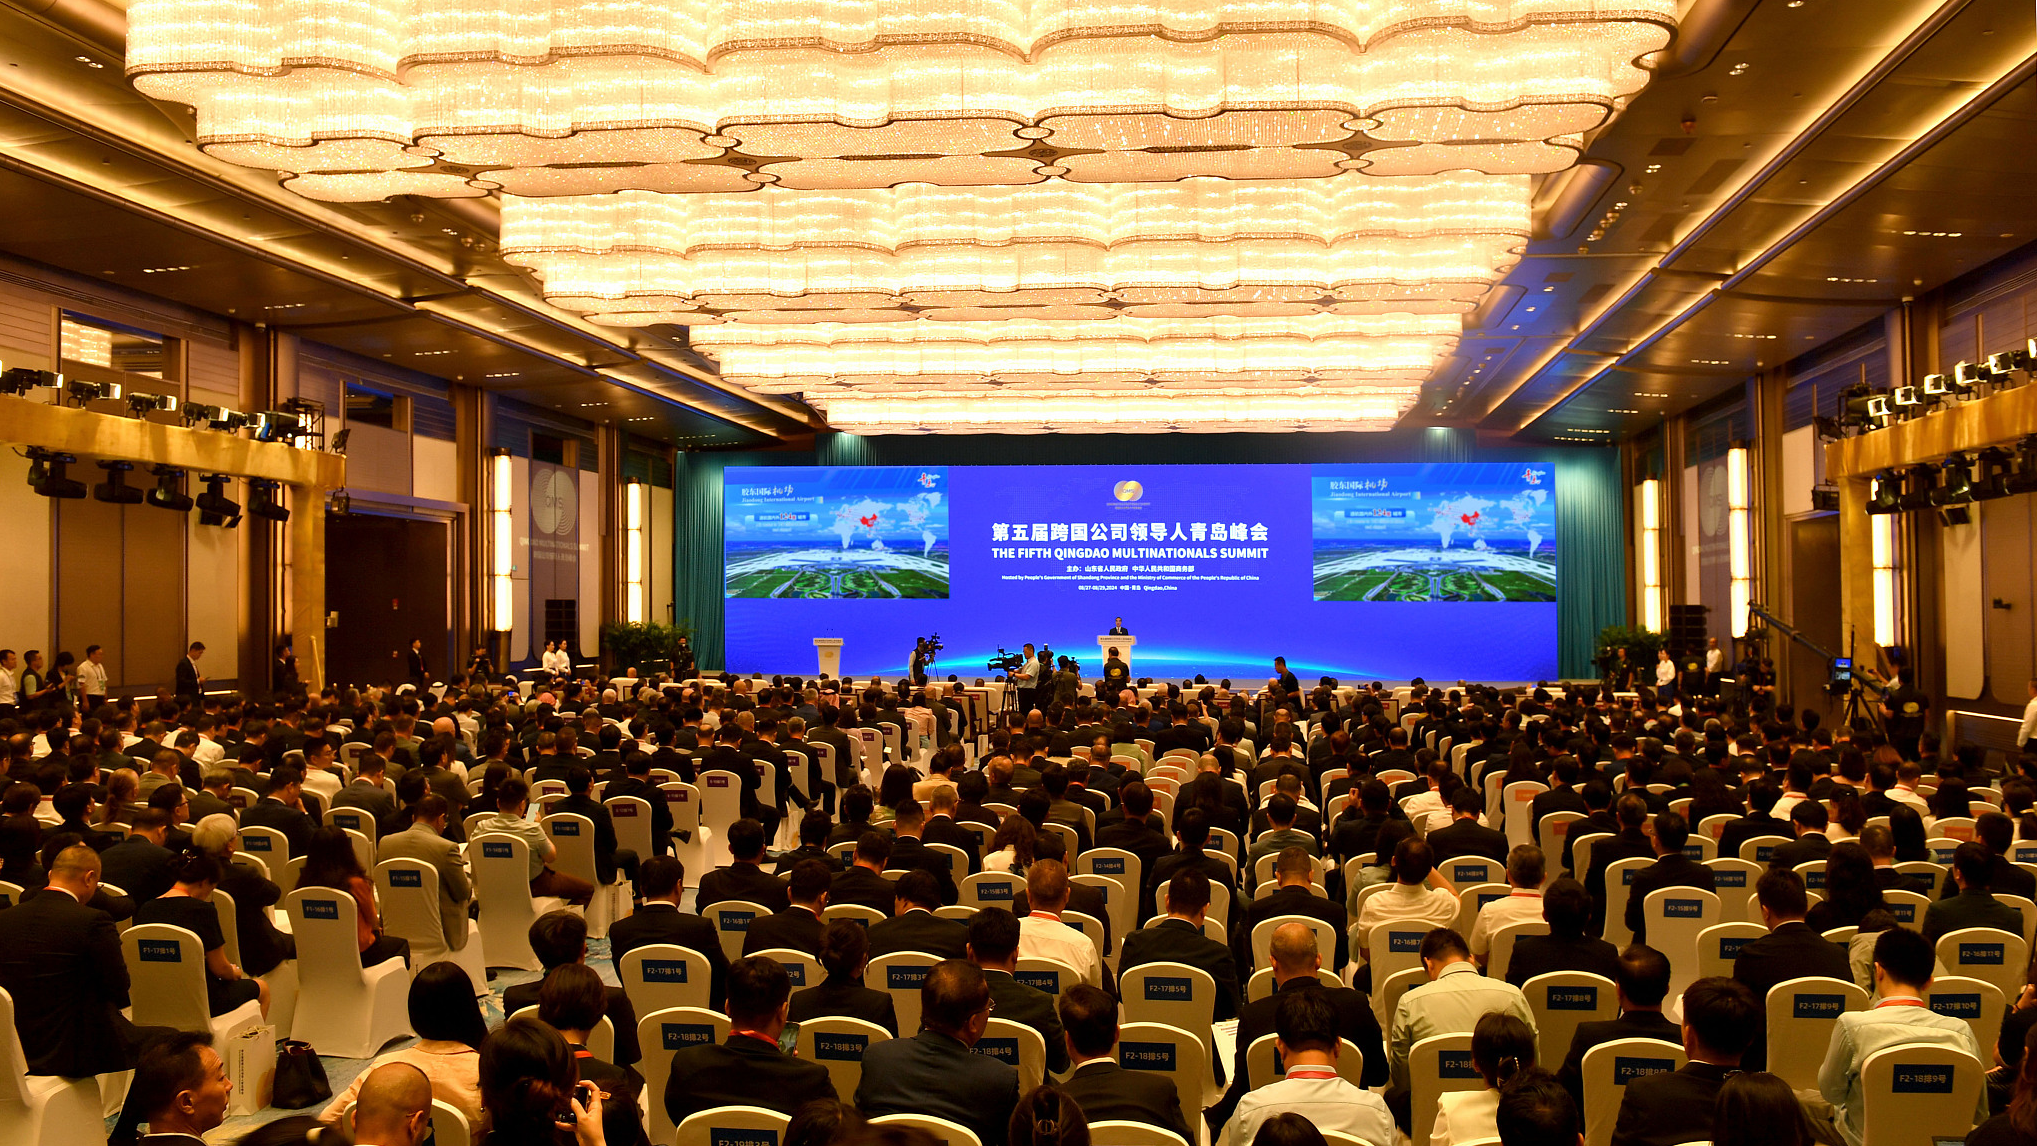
[(1305, 1036), (1042, 935), (1450, 1003), (1523, 904), (1419, 894), (2029, 726), (10, 682), (1903, 962), (92, 678), (1715, 657)]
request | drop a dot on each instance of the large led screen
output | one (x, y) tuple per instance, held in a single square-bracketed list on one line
[(1444, 571)]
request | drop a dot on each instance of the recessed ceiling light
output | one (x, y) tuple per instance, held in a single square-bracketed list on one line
[(431, 353), (161, 270), (505, 374), (89, 62)]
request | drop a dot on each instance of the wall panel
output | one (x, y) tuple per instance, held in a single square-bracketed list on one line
[(24, 559), (2005, 555)]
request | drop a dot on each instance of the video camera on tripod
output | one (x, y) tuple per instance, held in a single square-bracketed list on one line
[(931, 645), (1004, 662)]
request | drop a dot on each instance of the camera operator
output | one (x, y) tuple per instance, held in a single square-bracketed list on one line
[(919, 663), (1026, 678)]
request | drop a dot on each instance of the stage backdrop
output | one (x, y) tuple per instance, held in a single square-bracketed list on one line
[(1348, 579)]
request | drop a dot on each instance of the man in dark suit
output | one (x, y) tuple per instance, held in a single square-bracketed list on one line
[(1761, 798), (61, 962), (936, 1072), (909, 854), (1632, 842), (1179, 939), (608, 858), (914, 926), (367, 793), (1807, 823), (1466, 836), (1881, 849), (140, 865), (1563, 794), (1193, 834), (796, 926), (1307, 821), (942, 828), (991, 941), (660, 921), (1643, 982), (1996, 832), (1790, 950), (813, 835), (1673, 1107), (1569, 946), (748, 1069), (638, 783), (1671, 868), (283, 810), (744, 879), (1296, 962), (1104, 1090), (558, 938), (1974, 904), (1294, 871), (190, 682), (863, 882), (1132, 830)]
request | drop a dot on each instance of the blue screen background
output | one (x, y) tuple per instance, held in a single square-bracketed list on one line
[(1001, 594)]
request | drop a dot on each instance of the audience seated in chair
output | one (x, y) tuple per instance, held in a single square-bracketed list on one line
[(512, 802), (991, 941), (1667, 1108), (844, 952), (1790, 950), (1450, 1003), (797, 925), (1903, 962), (450, 1030), (936, 1072), (659, 920), (572, 1001), (748, 1069), (1305, 1026), (1643, 982), (559, 939)]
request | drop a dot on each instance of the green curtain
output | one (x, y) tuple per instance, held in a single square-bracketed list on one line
[(1590, 511)]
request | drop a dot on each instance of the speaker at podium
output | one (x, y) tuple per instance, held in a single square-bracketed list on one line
[(1122, 642)]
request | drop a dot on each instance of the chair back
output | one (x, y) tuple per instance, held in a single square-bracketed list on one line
[(939, 1129), (1472, 898), (1439, 1065), (1503, 941), (573, 836), (1760, 848), (1386, 998), (325, 925), (1114, 862), (1394, 946), (1119, 903), (1170, 1051), (407, 894), (352, 819), (733, 1126), (1801, 1015), (1516, 799), (229, 923), (1580, 851), (1731, 875), (1263, 1062), (683, 801), (1173, 994), (837, 1042), (1983, 953), (1562, 1000), (501, 865), (663, 976), (166, 967), (1719, 945), (600, 1040), (1112, 1132), (631, 816), (1619, 887), (1979, 1002), (857, 912), (1046, 975), (902, 973), (989, 889), (1469, 871), (1608, 1068), (663, 1034), (1675, 917), (10, 893), (1018, 1046), (1550, 833), (801, 968), (731, 919), (272, 847), (1918, 1095), (1262, 938), (721, 804), (1261, 984)]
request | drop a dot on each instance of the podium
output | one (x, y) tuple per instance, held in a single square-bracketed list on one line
[(830, 650), (1104, 644)]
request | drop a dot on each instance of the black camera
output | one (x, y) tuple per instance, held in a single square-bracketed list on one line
[(1004, 662)]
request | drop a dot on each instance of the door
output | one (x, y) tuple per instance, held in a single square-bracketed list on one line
[(386, 581)]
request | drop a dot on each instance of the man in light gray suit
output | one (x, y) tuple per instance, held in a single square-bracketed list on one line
[(424, 840)]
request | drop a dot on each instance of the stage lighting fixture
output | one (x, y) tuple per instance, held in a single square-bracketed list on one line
[(262, 500), (46, 475), (1967, 375), (1853, 404), (2010, 361), (1886, 486), (115, 490), (1905, 397), (278, 426), (1996, 467), (339, 441), (1937, 386), (169, 492), (213, 506), (1829, 429), (214, 417), (1919, 482), (2024, 479), (83, 392), (1877, 411), (142, 405), (20, 379), (1955, 483)]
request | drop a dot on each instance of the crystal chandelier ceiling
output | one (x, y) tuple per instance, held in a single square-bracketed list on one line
[(1177, 210)]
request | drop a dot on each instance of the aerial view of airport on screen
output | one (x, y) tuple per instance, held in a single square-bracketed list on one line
[(837, 534), (1445, 532)]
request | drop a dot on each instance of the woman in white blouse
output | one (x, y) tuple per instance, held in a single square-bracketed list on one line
[(1502, 1046)]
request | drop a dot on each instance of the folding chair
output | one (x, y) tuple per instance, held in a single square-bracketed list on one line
[(1619, 884), (1016, 1045), (1675, 917), (166, 966), (902, 973), (1503, 940), (721, 804), (1173, 994), (1719, 945), (663, 976), (1170, 1051), (663, 1034), (1608, 1068), (837, 1043), (1919, 1095), (731, 919), (1979, 1002), (44, 1110), (1801, 1015), (1564, 1000), (1991, 956), (1438, 1065), (407, 895), (501, 865), (734, 1126), (573, 836), (343, 1008), (802, 969)]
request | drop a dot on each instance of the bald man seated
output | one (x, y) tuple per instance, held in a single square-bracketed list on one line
[(394, 1107)]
